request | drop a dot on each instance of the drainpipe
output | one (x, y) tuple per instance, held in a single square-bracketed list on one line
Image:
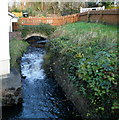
[(11, 24)]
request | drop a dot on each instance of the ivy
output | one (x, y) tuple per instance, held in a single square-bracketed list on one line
[(89, 54)]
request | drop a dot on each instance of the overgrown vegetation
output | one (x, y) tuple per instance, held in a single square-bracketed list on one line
[(56, 8), (17, 47), (88, 53), (45, 29)]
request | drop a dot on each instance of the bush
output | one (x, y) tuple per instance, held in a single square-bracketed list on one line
[(45, 29), (89, 52), (15, 10)]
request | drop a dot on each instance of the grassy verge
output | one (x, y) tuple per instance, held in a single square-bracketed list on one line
[(17, 47), (88, 53)]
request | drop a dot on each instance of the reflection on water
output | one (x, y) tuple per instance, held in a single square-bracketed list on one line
[(43, 98)]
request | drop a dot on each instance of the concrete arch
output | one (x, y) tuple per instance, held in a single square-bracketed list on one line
[(35, 34)]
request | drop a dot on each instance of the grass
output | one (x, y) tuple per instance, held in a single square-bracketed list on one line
[(17, 47), (88, 53)]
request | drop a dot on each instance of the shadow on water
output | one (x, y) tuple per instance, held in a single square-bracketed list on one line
[(42, 96), (11, 111)]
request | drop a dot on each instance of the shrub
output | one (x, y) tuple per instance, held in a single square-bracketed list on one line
[(45, 29), (15, 10)]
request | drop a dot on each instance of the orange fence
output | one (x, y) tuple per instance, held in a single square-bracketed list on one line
[(55, 21), (102, 16)]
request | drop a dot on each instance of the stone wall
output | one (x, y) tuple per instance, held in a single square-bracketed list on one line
[(16, 35)]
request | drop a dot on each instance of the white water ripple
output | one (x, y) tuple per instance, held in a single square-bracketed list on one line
[(32, 67)]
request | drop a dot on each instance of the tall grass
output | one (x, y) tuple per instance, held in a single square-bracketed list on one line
[(17, 47)]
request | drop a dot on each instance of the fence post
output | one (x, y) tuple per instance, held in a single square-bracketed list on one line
[(101, 16), (88, 16)]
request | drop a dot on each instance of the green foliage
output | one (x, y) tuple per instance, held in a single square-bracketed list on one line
[(89, 52), (46, 8), (17, 47), (15, 10), (45, 29), (30, 11), (107, 4)]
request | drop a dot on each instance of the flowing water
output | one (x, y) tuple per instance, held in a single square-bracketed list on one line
[(42, 97)]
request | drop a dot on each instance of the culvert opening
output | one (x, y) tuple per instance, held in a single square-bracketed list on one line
[(37, 41)]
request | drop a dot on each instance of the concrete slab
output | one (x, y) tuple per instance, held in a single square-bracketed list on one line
[(12, 81)]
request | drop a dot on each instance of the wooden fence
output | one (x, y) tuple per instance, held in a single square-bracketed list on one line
[(101, 16), (55, 21)]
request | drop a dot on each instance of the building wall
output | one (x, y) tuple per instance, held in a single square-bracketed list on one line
[(4, 68), (4, 39)]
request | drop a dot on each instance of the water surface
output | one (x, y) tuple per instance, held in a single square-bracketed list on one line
[(42, 96)]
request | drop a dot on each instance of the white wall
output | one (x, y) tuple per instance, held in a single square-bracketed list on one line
[(4, 38), (90, 9)]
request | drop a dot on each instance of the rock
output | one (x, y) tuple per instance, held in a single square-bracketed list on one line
[(20, 101), (17, 92), (11, 89)]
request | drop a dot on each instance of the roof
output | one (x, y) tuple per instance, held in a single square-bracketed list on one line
[(11, 14)]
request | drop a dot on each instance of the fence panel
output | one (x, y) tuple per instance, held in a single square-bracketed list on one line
[(56, 21), (102, 16)]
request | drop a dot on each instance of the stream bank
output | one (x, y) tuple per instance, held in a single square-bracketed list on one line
[(85, 56), (42, 96)]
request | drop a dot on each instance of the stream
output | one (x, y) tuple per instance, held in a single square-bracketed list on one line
[(42, 96)]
